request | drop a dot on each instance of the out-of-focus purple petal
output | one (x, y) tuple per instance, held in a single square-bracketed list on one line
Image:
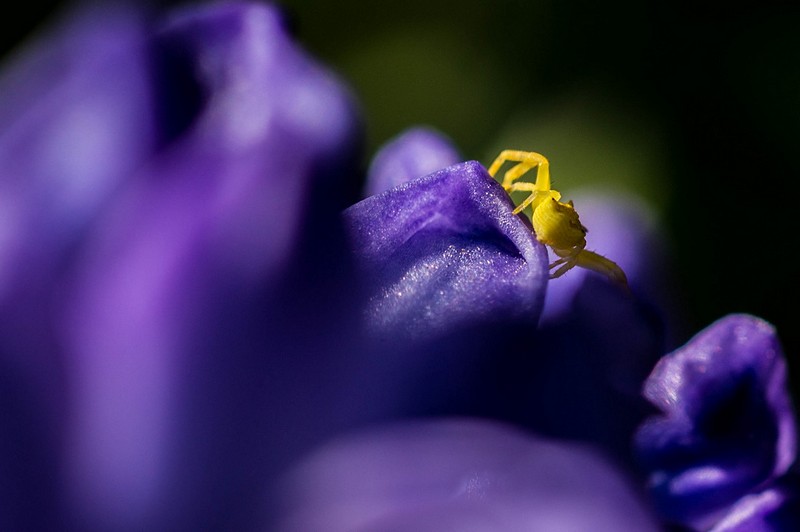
[(415, 153), (75, 119), (172, 322), (254, 83), (457, 475), (587, 369), (445, 252), (726, 424), (776, 509)]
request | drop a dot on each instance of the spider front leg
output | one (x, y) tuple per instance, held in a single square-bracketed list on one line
[(526, 161)]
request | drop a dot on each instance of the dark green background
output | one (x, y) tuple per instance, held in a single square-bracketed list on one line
[(695, 106)]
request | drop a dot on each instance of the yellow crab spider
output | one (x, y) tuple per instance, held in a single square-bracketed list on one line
[(555, 224)]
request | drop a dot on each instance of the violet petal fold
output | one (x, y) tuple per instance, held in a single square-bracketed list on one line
[(445, 252), (457, 474), (726, 424), (776, 509), (452, 280), (414, 153)]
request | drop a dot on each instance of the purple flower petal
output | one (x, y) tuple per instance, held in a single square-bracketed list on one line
[(449, 276), (172, 317), (775, 509), (415, 153), (727, 424), (444, 252), (75, 120), (254, 84), (457, 475)]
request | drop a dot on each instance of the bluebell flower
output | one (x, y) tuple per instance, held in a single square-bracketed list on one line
[(446, 252), (773, 509), (191, 301), (594, 345), (725, 433)]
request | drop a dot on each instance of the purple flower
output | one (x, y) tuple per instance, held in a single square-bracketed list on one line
[(173, 313), (446, 252), (457, 475), (415, 153), (726, 427), (166, 182), (776, 508), (188, 306), (452, 281)]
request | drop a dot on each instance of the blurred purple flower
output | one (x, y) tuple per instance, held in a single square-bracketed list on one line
[(161, 184), (457, 475), (726, 428), (775, 509), (414, 153), (175, 275)]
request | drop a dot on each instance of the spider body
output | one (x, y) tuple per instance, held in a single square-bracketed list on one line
[(555, 224)]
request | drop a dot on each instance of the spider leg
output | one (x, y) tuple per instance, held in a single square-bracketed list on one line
[(535, 197), (598, 263), (568, 260), (567, 265), (526, 160), (521, 207)]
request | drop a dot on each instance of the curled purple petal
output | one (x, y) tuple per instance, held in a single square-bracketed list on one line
[(726, 424), (457, 475), (450, 277), (253, 83), (775, 509), (415, 153), (444, 252)]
